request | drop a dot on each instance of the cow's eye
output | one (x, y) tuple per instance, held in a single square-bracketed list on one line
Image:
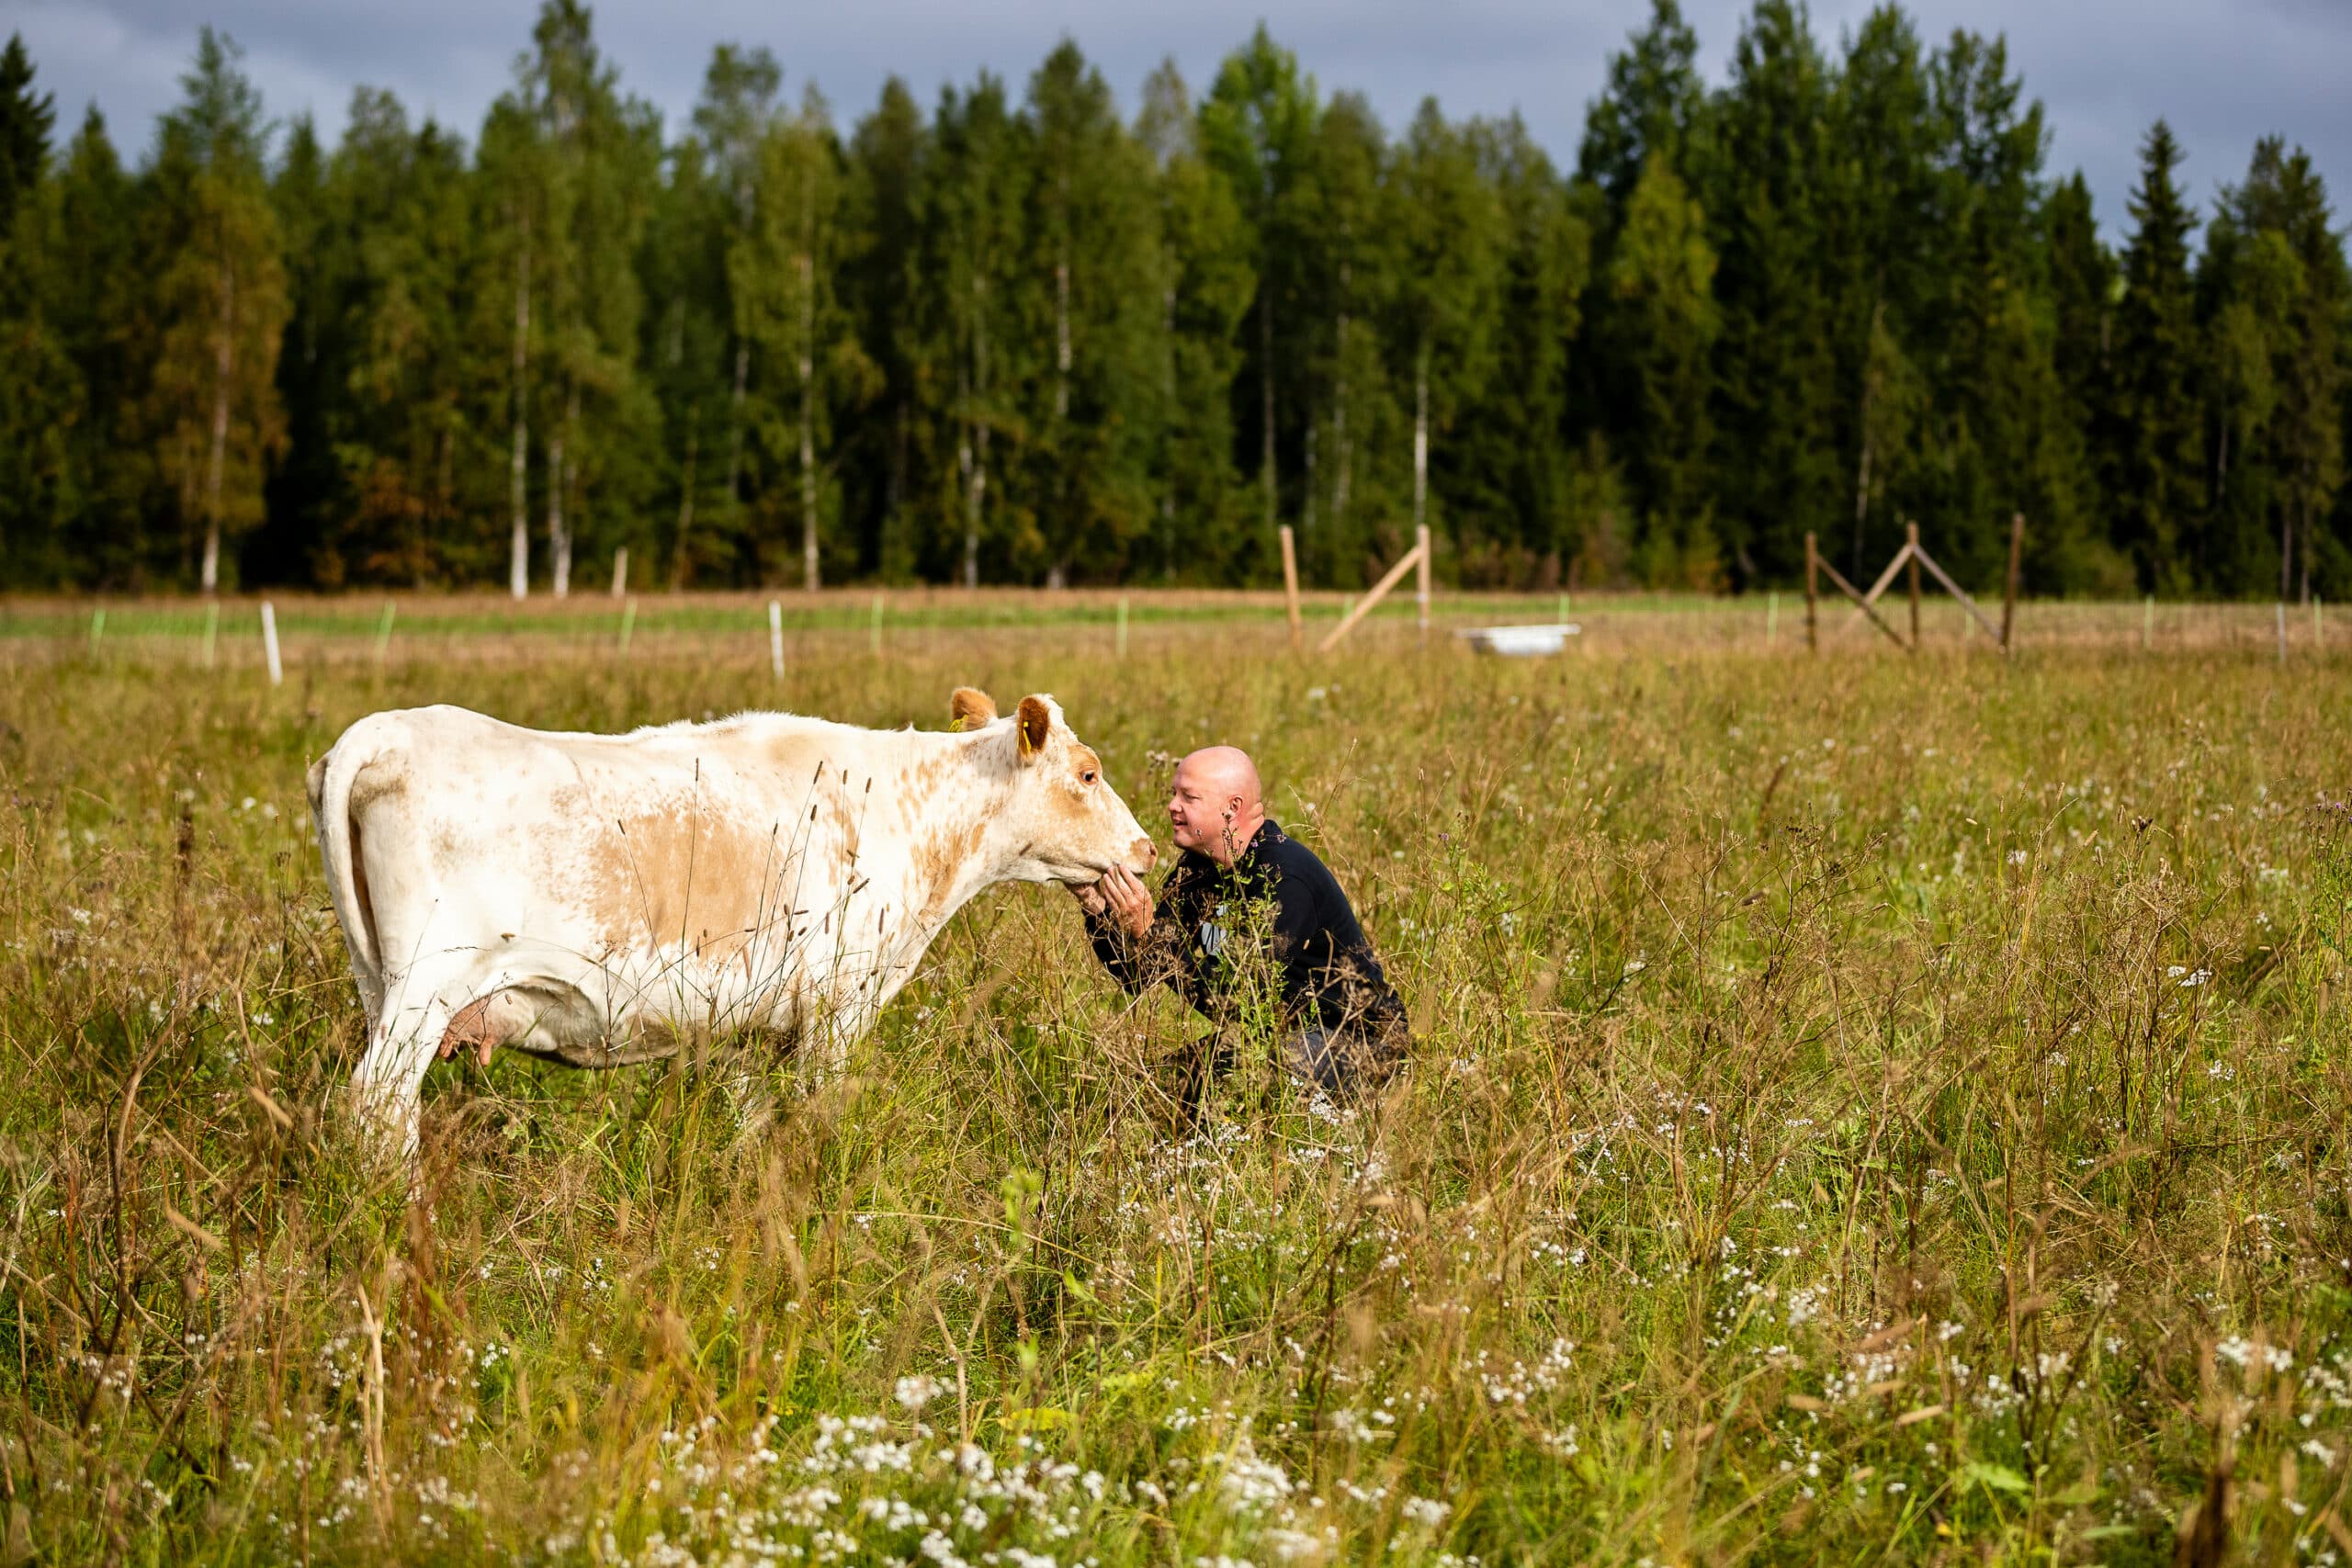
[(1086, 777)]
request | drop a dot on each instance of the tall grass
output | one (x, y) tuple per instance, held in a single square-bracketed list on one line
[(1878, 1108)]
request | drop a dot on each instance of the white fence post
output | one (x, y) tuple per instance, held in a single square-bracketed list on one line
[(269, 642), (775, 639)]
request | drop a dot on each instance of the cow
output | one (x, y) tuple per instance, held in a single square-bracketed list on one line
[(602, 899)]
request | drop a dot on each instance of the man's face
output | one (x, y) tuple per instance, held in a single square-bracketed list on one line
[(1197, 810)]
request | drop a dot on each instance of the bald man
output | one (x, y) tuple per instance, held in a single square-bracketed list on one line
[(1342, 1028)]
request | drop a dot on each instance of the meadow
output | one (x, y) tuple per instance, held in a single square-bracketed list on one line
[(1872, 1108)]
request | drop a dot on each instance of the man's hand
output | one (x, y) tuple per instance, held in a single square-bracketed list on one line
[(1089, 897), (1130, 899)]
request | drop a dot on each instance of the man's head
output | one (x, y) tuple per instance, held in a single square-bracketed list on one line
[(1214, 806)]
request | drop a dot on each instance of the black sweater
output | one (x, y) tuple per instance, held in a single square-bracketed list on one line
[(1328, 976)]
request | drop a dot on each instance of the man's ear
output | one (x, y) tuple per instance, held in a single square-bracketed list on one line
[(969, 709), (1036, 723)]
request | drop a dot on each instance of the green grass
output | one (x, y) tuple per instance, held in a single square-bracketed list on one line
[(1878, 1109)]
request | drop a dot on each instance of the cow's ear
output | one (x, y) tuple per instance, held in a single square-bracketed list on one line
[(969, 709), (1036, 723)]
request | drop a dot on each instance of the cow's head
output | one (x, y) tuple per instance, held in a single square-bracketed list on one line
[(1063, 821)]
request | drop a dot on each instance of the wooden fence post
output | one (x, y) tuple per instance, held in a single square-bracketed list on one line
[(1358, 609), (775, 639), (2010, 593), (1421, 577), (1812, 594), (269, 643), (1911, 536), (1290, 591)]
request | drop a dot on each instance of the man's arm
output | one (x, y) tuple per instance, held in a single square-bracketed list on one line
[(1132, 937)]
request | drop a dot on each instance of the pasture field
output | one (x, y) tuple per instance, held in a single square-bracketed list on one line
[(1865, 1108)]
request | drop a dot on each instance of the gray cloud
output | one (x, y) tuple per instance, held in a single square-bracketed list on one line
[(2223, 71)]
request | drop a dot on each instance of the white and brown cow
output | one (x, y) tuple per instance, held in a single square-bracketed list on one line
[(599, 900)]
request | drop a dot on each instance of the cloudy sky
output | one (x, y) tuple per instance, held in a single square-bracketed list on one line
[(2223, 71)]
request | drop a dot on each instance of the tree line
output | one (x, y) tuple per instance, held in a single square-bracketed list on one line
[(1033, 339)]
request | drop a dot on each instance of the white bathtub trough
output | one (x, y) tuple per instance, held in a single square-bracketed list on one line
[(1521, 642)]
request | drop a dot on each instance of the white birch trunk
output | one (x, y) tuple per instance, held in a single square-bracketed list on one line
[(1345, 453), (518, 569), (808, 424), (559, 536), (1061, 339), (1420, 437), (224, 364), (685, 512), (975, 491), (1266, 398), (735, 426)]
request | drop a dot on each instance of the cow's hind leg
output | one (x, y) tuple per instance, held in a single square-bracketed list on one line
[(386, 1086)]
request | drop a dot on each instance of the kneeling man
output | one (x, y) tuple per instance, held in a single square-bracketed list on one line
[(1342, 1029)]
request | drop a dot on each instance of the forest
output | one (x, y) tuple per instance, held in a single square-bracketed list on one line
[(1033, 334)]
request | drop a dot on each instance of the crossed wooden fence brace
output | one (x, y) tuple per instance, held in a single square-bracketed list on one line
[(1913, 557)]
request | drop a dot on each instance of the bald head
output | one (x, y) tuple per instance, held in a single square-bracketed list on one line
[(1216, 804)]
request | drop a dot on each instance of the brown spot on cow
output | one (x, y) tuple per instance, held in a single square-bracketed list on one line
[(664, 875), (939, 860)]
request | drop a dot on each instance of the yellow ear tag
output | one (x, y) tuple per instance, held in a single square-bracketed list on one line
[(1025, 746)]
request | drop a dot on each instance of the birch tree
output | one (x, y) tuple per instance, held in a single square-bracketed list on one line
[(1449, 223), (1254, 127), (221, 303), (783, 277)]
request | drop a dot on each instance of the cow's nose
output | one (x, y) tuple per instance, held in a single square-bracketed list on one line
[(1148, 851)]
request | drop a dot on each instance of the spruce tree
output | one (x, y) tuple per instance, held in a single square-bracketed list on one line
[(1879, 250), (1347, 261), (1662, 327), (713, 204), (2149, 428), (1651, 106), (1776, 468), (1205, 286), (25, 120), (1998, 441), (1448, 297), (2079, 275), (2274, 294), (975, 202), (783, 275), (882, 219), (1508, 478), (1091, 247)]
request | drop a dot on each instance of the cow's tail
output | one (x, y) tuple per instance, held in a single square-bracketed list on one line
[(330, 782)]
